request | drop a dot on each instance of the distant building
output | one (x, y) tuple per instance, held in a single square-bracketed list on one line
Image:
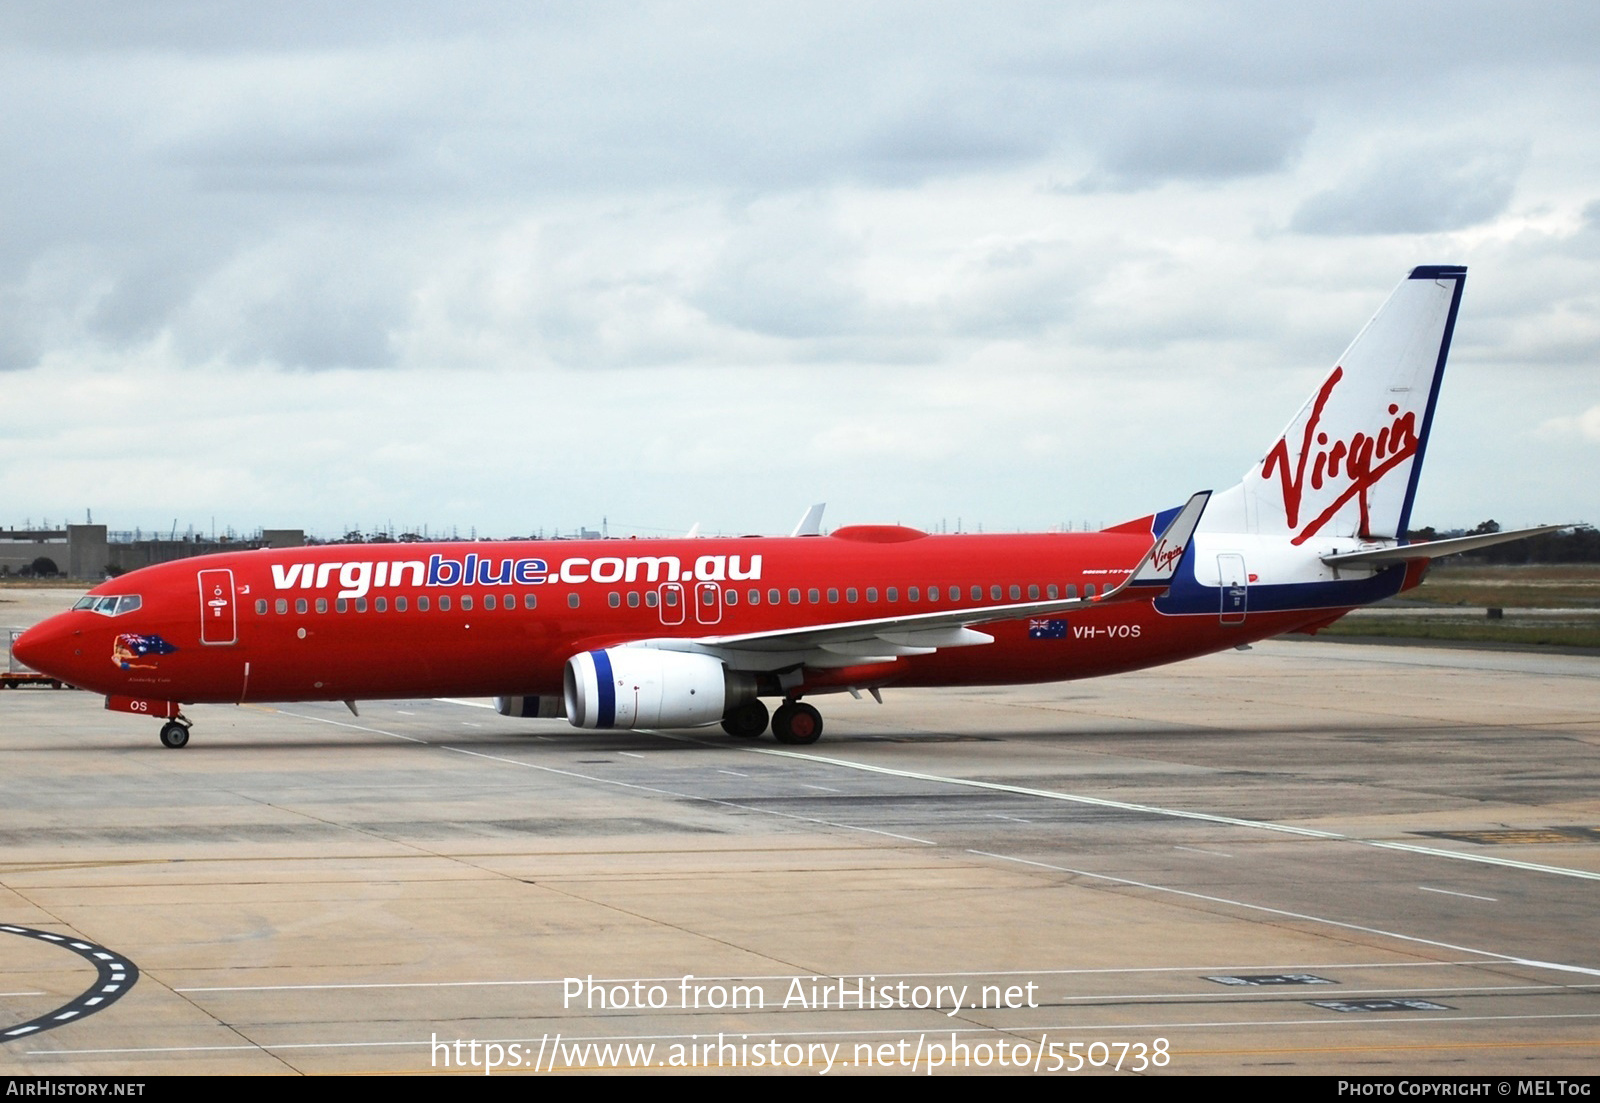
[(87, 553)]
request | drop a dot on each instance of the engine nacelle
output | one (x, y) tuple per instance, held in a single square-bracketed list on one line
[(640, 687), (543, 708)]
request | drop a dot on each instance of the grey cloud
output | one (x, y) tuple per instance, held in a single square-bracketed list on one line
[(277, 161), (1415, 190), (325, 298), (1183, 134)]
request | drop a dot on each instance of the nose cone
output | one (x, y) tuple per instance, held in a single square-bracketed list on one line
[(46, 647)]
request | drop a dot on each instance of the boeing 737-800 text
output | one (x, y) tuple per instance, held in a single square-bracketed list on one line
[(681, 633)]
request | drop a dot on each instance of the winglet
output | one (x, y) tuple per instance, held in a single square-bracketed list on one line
[(1160, 563), (811, 523)]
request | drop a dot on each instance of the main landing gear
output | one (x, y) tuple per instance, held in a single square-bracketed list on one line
[(175, 732), (747, 721), (794, 722)]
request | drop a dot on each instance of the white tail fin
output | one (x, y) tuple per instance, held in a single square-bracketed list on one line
[(1347, 465)]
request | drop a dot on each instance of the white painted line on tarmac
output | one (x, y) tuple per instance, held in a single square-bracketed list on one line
[(1072, 1028), (1468, 895), (686, 796), (1491, 954), (355, 727), (1211, 967), (1153, 810)]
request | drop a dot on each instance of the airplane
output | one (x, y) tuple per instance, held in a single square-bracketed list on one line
[(632, 634)]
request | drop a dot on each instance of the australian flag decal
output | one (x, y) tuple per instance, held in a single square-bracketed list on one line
[(1047, 629), (131, 651)]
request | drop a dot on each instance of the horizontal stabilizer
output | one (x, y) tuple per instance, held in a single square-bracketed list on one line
[(1433, 549)]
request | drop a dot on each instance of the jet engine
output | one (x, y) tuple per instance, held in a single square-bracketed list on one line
[(640, 687)]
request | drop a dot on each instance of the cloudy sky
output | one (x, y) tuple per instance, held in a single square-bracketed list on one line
[(523, 266)]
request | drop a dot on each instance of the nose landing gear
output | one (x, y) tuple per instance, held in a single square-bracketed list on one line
[(175, 732)]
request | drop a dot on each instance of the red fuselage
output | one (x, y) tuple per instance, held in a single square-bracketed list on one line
[(363, 621)]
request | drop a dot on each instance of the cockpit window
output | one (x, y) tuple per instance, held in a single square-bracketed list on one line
[(112, 606)]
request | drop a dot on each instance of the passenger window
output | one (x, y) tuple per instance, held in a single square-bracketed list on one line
[(852, 594), (489, 601), (341, 605), (774, 598), (912, 594), (529, 601), (891, 594), (633, 599), (872, 593), (1072, 592), (833, 596), (994, 593), (1016, 593), (754, 596), (444, 603), (977, 593), (1033, 592), (322, 605), (1088, 589), (261, 607), (816, 596), (1051, 592), (466, 603), (399, 604), (614, 600), (508, 602), (300, 606), (708, 597), (381, 604), (794, 597), (731, 597), (281, 605), (572, 600), (933, 593), (651, 599), (672, 599), (422, 604), (361, 605)]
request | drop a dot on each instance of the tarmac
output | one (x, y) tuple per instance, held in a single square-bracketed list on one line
[(1302, 858)]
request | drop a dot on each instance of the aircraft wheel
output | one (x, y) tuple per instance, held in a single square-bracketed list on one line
[(174, 734), (797, 723), (747, 721)]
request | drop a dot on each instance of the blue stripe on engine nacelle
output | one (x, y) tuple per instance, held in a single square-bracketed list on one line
[(607, 691)]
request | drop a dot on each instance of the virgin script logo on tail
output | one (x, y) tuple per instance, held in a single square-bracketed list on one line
[(1349, 468), (1164, 556)]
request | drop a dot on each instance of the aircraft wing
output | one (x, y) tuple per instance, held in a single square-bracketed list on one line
[(882, 639), (1433, 549)]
